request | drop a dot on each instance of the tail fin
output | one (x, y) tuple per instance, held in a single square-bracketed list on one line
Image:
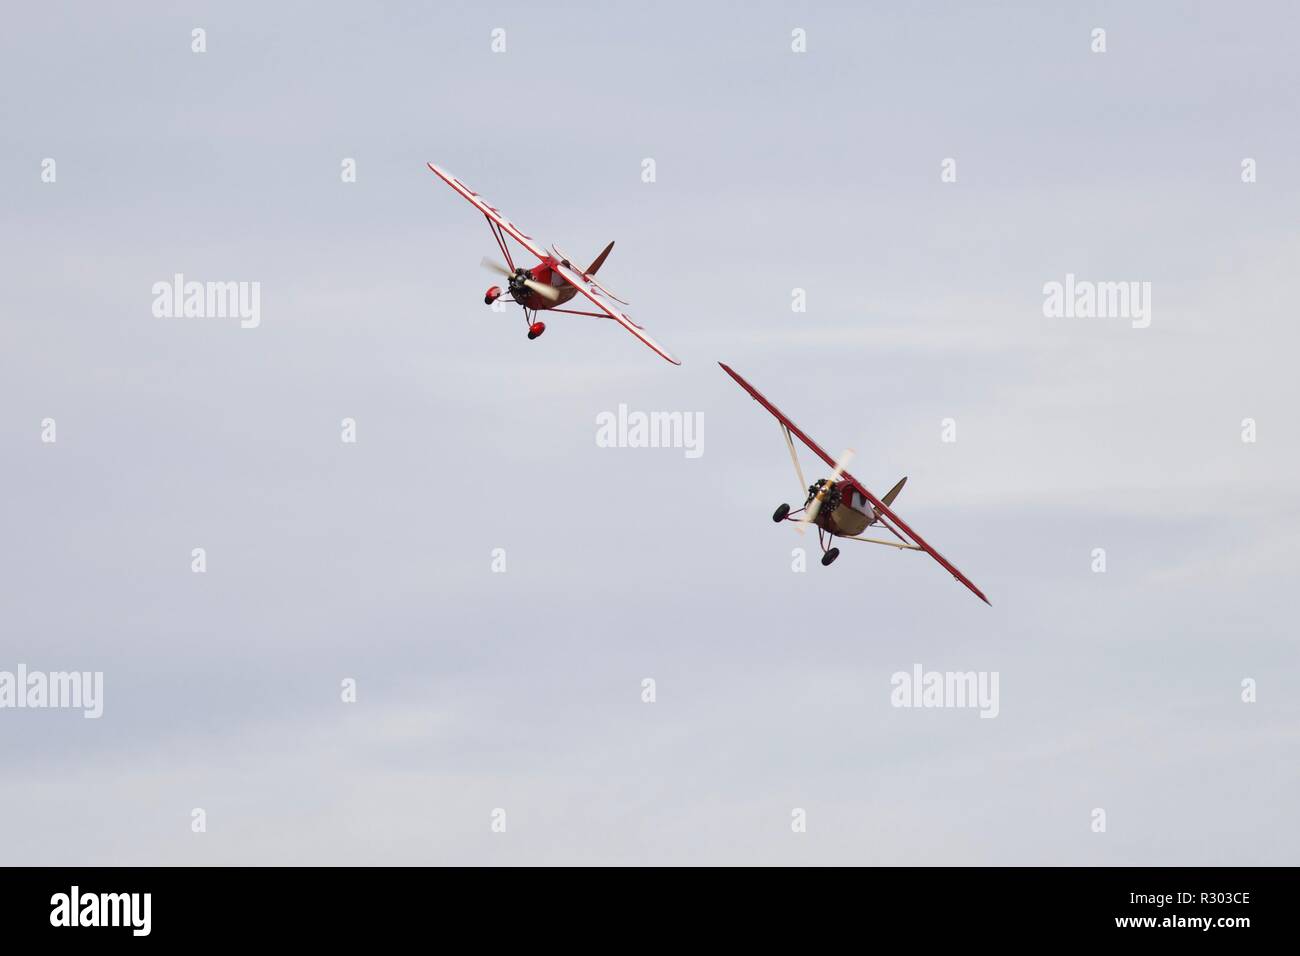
[(893, 492), (600, 260)]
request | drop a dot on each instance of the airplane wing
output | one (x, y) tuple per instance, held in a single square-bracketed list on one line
[(894, 523), (487, 209), (588, 288)]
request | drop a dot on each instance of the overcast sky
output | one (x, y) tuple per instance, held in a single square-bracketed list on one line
[(774, 171)]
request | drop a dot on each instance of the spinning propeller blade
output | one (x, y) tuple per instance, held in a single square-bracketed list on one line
[(814, 506), (549, 293)]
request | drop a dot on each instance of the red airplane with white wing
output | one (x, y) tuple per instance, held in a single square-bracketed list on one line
[(553, 281), (841, 506)]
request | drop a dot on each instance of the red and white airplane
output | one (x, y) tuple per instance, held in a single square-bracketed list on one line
[(840, 505), (551, 283)]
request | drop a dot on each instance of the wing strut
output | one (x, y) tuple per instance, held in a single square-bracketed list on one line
[(794, 457), (901, 545), (496, 234)]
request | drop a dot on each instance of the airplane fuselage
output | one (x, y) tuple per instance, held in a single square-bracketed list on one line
[(852, 516), (543, 273)]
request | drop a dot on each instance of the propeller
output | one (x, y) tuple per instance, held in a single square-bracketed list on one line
[(521, 278), (814, 506), (495, 266)]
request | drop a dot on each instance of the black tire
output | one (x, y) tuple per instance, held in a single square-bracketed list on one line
[(780, 513), (829, 557)]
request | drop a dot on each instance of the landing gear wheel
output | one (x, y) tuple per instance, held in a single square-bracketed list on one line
[(536, 329), (829, 557), (779, 514)]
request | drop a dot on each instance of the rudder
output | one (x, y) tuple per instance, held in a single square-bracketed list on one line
[(600, 260)]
